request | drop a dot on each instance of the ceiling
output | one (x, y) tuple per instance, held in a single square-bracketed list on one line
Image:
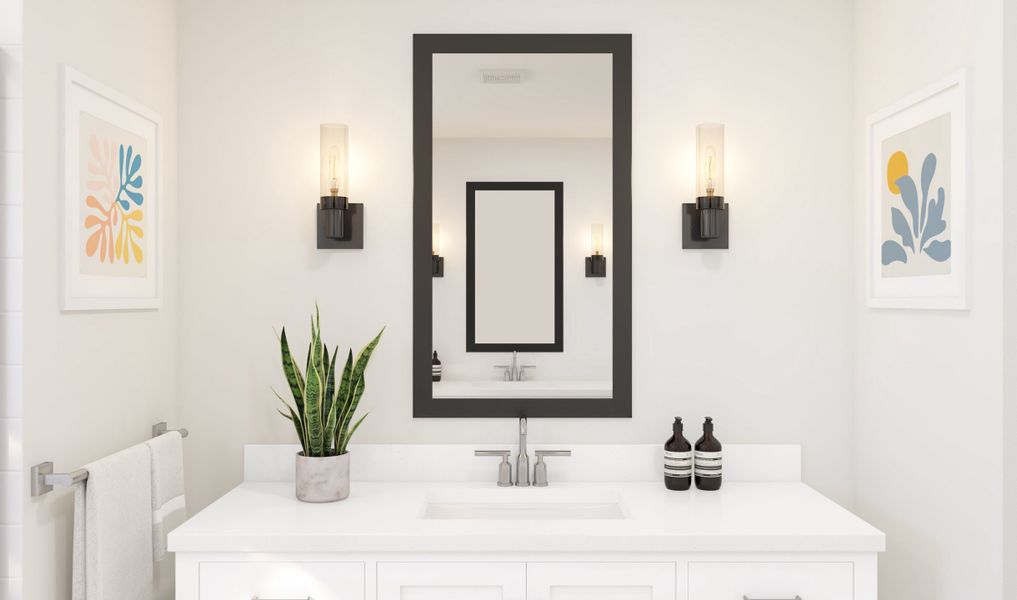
[(560, 96)]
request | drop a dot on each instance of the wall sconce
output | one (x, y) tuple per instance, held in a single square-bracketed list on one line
[(596, 264), (437, 262), (705, 222), (340, 223)]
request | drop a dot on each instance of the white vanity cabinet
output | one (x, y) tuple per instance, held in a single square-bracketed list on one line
[(569, 577), (763, 536)]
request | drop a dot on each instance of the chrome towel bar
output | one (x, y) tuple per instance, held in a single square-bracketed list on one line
[(43, 477)]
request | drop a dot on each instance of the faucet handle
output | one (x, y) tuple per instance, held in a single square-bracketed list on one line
[(522, 371), (540, 468), (504, 468)]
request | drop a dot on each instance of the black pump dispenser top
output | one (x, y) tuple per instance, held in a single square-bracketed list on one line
[(708, 425)]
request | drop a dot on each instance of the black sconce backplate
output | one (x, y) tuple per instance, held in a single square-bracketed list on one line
[(437, 266), (596, 266), (353, 227), (692, 238)]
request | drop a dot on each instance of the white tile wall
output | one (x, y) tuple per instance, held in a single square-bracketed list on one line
[(12, 491)]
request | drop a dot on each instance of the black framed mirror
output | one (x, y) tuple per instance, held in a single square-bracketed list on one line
[(522, 162)]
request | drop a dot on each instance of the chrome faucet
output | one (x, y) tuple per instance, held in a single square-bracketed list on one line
[(515, 371), (522, 462), (523, 459)]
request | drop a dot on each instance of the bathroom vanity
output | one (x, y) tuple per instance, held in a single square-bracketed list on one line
[(429, 523)]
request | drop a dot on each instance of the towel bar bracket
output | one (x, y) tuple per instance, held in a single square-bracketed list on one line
[(43, 478), (161, 428)]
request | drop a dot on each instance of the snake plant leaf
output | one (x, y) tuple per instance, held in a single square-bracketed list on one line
[(909, 195), (292, 372), (365, 356), (935, 224), (344, 425), (353, 429), (312, 412), (345, 382), (928, 170), (892, 252), (331, 407), (900, 225), (939, 251), (292, 417)]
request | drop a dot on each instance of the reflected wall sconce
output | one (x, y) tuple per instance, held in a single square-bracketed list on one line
[(596, 263), (340, 223), (437, 261), (705, 222)]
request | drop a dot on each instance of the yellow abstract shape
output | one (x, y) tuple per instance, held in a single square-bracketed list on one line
[(896, 168)]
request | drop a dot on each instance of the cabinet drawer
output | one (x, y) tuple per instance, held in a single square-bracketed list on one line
[(281, 580), (771, 580), (600, 581), (451, 581)]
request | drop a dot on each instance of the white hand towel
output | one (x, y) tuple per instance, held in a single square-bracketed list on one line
[(169, 509), (78, 554), (116, 561)]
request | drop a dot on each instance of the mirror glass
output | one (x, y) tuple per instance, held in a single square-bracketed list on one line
[(521, 178)]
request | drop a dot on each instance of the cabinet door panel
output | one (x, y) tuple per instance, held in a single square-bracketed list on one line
[(777, 580), (600, 581), (451, 581), (289, 580)]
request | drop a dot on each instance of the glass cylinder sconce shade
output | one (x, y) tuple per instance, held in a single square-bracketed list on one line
[(710, 159), (334, 160), (596, 239)]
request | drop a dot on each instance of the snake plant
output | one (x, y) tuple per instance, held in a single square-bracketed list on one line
[(324, 401)]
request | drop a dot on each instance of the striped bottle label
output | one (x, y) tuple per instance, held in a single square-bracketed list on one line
[(677, 464), (708, 464)]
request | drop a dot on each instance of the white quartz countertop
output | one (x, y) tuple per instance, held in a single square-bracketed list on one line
[(389, 516)]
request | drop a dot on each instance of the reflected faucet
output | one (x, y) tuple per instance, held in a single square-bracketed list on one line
[(515, 371)]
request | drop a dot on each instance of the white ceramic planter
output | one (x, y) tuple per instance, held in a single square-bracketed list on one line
[(323, 479)]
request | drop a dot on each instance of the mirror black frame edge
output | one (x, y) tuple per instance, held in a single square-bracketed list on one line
[(620, 47)]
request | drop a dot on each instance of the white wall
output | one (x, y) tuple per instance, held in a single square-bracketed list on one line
[(11, 201), (757, 337), (928, 412), (1010, 299), (94, 383), (584, 168)]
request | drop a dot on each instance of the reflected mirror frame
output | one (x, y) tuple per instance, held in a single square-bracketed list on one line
[(620, 47), (472, 187)]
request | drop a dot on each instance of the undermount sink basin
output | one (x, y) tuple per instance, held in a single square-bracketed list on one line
[(535, 510), (528, 503)]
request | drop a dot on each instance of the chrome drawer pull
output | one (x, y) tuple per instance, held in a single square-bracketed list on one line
[(797, 597), (260, 598)]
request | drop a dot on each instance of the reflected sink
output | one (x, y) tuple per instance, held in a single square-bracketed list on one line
[(521, 389), (521, 510), (523, 503)]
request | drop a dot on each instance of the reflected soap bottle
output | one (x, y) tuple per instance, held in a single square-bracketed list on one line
[(677, 459), (435, 367), (708, 459)]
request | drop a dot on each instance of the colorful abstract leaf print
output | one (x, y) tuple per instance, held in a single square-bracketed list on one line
[(114, 218)]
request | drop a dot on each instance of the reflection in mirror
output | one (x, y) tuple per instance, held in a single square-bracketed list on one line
[(521, 168), (513, 267)]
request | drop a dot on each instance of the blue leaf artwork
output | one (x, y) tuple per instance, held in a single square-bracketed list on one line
[(130, 180), (924, 222)]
